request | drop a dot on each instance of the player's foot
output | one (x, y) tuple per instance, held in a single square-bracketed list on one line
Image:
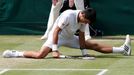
[(127, 46), (9, 54), (44, 37)]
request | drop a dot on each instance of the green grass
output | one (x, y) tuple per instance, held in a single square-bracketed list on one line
[(116, 64), (52, 73)]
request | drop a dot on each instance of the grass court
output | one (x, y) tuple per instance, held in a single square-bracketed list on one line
[(104, 64)]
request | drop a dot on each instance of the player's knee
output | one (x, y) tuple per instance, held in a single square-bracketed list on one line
[(39, 56)]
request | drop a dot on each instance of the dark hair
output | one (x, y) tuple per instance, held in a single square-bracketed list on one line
[(90, 14)]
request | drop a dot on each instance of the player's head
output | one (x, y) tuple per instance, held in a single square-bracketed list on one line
[(88, 15)]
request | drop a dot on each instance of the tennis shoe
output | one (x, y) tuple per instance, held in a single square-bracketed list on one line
[(9, 53), (127, 46), (43, 37)]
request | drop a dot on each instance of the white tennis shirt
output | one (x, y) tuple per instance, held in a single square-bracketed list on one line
[(68, 22)]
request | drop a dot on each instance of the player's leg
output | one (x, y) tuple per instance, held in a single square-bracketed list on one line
[(38, 54), (124, 49), (29, 54), (54, 13), (79, 4), (45, 49), (98, 47), (50, 23)]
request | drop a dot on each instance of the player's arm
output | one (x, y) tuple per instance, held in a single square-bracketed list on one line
[(61, 24), (82, 40), (55, 52)]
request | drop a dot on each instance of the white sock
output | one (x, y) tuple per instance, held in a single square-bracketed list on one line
[(20, 54), (118, 49), (84, 52)]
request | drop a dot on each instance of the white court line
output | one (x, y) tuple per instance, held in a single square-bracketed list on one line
[(103, 71), (3, 71), (62, 69)]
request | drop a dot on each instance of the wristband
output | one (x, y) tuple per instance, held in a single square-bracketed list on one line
[(84, 51), (62, 56), (54, 47)]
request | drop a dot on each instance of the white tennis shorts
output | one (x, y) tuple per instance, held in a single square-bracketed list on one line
[(71, 42)]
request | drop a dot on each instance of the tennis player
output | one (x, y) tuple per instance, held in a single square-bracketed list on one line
[(62, 34)]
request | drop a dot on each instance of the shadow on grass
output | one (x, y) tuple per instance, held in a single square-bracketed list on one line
[(96, 56)]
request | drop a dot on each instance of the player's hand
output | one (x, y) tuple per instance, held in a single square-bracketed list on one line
[(55, 54), (54, 2)]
